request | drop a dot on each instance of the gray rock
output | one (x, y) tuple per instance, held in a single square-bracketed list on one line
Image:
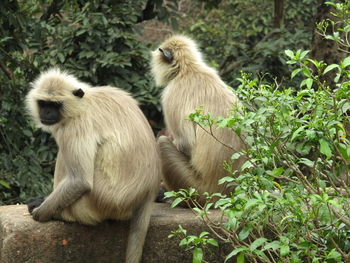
[(24, 240)]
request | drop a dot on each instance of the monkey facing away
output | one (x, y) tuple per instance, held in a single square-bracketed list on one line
[(107, 165), (193, 158)]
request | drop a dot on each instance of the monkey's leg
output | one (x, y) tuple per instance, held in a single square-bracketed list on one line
[(137, 233), (177, 170)]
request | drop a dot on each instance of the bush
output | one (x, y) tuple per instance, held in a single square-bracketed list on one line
[(291, 197)]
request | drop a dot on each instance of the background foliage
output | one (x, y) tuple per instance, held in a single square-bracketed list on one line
[(240, 35), (95, 40), (99, 42)]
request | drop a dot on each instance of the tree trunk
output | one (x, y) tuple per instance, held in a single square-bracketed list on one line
[(323, 49), (278, 13)]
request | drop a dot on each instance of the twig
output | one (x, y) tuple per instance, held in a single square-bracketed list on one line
[(6, 70), (342, 218)]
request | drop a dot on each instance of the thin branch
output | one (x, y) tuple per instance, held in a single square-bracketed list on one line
[(6, 70), (232, 66), (341, 217)]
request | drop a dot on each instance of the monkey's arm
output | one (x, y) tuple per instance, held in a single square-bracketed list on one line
[(78, 162)]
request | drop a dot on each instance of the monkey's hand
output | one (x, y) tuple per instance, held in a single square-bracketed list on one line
[(34, 202)]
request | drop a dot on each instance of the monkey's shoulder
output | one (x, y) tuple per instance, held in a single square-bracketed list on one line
[(110, 91)]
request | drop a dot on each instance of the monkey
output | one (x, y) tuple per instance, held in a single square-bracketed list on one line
[(107, 165), (191, 157)]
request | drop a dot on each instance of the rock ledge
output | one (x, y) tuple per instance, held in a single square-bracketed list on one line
[(24, 240)]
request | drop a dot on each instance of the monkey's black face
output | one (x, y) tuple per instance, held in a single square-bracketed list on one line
[(49, 112)]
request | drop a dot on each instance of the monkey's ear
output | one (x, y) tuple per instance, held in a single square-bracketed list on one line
[(78, 92), (167, 54)]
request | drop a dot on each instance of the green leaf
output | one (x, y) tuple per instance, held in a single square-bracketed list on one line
[(346, 62), (203, 234), (169, 194), (334, 255), (277, 171), (272, 245), (246, 165), (289, 53), (295, 72), (235, 252), (240, 258), (213, 242), (307, 162), (335, 203), (307, 82), (197, 255), (235, 156), (257, 243), (226, 179), (297, 132), (306, 72), (5, 184), (325, 149), (284, 250), (61, 57), (304, 53), (176, 202), (244, 233), (345, 107), (330, 67), (27, 133), (251, 203)]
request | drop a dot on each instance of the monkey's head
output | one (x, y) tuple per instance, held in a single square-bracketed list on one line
[(55, 97), (178, 54)]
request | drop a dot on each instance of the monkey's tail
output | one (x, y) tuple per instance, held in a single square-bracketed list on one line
[(137, 233)]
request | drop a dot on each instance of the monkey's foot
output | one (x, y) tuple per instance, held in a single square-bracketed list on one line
[(34, 202)]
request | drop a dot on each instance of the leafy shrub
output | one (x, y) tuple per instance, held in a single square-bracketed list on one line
[(291, 197)]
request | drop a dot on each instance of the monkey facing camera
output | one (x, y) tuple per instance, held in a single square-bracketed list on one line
[(108, 164), (191, 157)]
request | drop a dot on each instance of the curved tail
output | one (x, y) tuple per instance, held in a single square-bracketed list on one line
[(177, 169)]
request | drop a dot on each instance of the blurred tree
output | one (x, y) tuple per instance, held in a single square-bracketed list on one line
[(250, 35)]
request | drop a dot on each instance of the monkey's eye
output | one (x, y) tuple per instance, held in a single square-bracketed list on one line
[(78, 93), (167, 55)]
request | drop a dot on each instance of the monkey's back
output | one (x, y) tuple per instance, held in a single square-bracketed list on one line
[(183, 96)]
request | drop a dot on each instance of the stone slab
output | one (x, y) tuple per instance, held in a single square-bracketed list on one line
[(24, 240)]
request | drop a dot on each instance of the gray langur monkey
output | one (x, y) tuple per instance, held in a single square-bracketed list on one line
[(108, 164), (190, 156)]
